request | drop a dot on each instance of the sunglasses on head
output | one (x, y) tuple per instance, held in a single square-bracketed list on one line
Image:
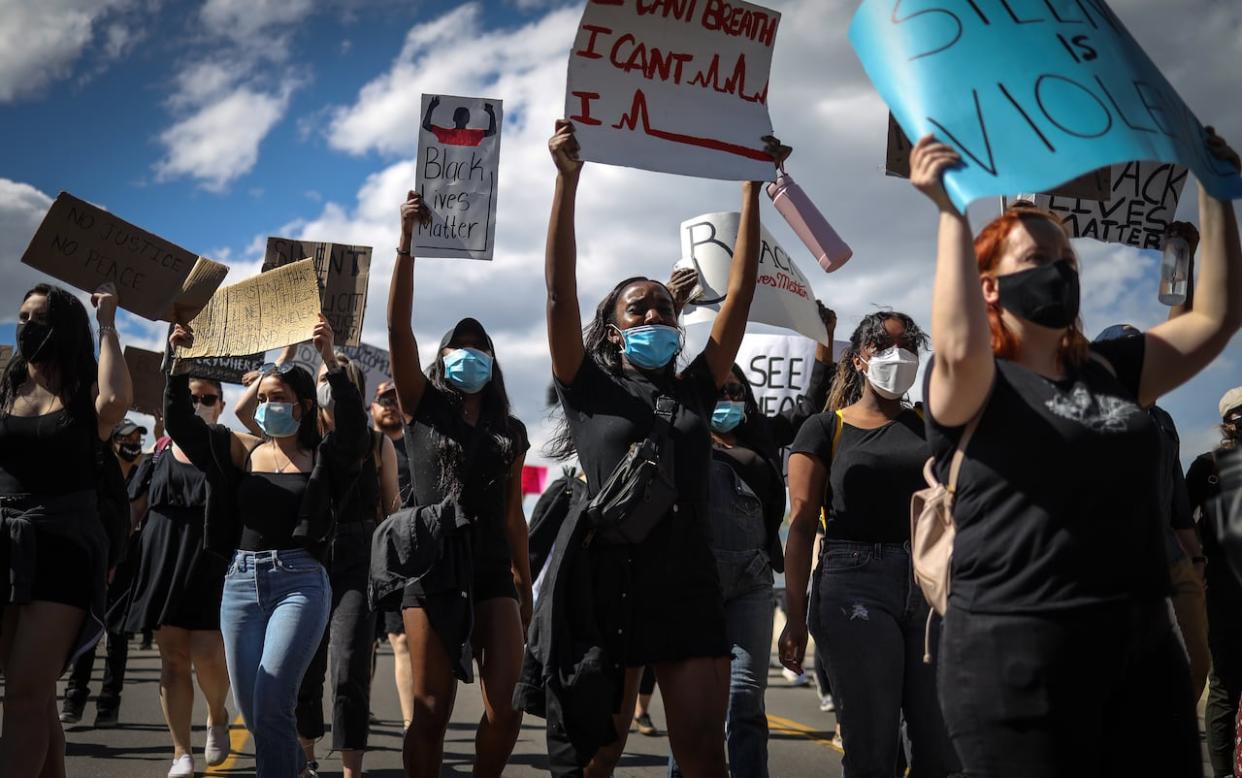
[(205, 400), (274, 368), (733, 391)]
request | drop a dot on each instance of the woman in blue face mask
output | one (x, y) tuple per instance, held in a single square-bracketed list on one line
[(658, 601), (465, 451), (271, 502)]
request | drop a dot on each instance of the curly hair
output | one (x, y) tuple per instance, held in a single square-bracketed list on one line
[(847, 384)]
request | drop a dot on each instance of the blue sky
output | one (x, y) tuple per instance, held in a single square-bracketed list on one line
[(218, 122)]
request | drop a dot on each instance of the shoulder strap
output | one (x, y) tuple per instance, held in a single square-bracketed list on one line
[(662, 424), (959, 455), (838, 422)]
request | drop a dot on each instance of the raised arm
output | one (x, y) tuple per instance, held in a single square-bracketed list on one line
[(561, 259), (962, 360), (1179, 348), (491, 120), (407, 373), (191, 434), (730, 324), (431, 106), (350, 439), (115, 390), (390, 492), (807, 477)]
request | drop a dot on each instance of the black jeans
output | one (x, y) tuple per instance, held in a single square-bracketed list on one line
[(1056, 694), (869, 620), (349, 641), (1224, 609), (77, 690)]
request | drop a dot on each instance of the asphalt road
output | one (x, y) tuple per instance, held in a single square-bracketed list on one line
[(139, 746)]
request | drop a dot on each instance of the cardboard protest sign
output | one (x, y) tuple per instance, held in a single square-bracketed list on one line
[(6, 356), (675, 87), (783, 295), (373, 361), (343, 272), (1141, 204), (227, 370), (267, 311), (146, 375), (1030, 94), (457, 176), (85, 246)]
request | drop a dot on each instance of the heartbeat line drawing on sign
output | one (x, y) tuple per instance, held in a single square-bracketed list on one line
[(638, 111)]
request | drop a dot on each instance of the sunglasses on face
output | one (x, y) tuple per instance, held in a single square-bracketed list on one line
[(386, 401), (205, 400), (733, 392)]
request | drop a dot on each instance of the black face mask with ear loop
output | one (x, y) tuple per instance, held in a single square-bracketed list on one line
[(34, 339), (1048, 295)]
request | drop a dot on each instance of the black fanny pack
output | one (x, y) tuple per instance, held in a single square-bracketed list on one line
[(641, 490)]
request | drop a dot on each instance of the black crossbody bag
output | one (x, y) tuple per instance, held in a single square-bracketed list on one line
[(640, 491)]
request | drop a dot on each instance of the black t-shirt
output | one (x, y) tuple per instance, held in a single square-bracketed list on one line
[(751, 467), (485, 486), (1056, 503), (403, 470), (872, 477)]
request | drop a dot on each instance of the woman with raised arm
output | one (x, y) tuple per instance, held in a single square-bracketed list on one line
[(1058, 621), (659, 601), (270, 509), (58, 407), (468, 450)]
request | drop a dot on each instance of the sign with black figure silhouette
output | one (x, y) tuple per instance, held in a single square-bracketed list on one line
[(458, 174), (675, 87)]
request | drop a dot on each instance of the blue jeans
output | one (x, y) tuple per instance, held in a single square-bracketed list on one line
[(273, 614), (750, 604)]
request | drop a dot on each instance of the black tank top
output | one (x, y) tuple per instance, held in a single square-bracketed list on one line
[(268, 505), (48, 454)]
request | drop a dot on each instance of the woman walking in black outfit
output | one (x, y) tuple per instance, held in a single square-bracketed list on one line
[(663, 606), (858, 464), (178, 588), (57, 410), (1058, 623), (467, 449)]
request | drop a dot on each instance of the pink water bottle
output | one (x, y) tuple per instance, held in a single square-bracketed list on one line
[(810, 225)]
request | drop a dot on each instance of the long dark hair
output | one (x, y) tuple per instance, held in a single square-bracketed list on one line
[(494, 421), (847, 384), (300, 382), (606, 354), (72, 353)]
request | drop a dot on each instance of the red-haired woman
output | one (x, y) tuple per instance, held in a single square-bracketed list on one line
[(1058, 626)]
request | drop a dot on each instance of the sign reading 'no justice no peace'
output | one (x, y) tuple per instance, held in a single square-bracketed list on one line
[(676, 87), (1031, 93)]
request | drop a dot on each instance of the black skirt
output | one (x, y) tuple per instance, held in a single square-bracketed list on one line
[(178, 583)]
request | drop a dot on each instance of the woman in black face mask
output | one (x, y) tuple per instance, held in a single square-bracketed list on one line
[(58, 407), (1058, 623)]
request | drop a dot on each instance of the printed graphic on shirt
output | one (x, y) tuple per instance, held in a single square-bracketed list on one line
[(1102, 413)]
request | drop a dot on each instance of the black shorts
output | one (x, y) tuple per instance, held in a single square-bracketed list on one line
[(492, 579)]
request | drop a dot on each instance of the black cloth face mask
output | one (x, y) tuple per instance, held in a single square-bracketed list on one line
[(1047, 295), (129, 451), (34, 339)]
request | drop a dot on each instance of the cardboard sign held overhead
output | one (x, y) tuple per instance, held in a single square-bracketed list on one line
[(783, 295), (373, 361), (267, 311), (146, 374), (1142, 203), (1030, 94), (343, 272), (226, 370), (675, 87), (458, 173), (85, 246)]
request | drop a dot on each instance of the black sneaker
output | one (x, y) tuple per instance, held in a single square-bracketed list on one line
[(107, 717), (71, 712), (645, 726)]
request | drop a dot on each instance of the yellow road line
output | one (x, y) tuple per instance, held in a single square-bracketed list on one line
[(798, 729), (238, 736)]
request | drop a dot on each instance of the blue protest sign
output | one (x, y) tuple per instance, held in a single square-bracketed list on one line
[(1032, 93)]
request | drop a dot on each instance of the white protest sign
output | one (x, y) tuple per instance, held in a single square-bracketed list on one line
[(783, 296), (675, 87), (778, 369), (458, 172), (1143, 202), (373, 361)]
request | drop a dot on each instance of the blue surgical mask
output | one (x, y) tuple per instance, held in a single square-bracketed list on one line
[(276, 419), (468, 369), (727, 415), (651, 346)]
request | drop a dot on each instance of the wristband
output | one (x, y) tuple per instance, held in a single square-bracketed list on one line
[(104, 329), (403, 252)]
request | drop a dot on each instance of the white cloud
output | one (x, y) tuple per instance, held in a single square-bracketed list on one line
[(248, 20), (40, 40), (22, 208)]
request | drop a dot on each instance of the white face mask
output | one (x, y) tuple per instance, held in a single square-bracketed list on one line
[(206, 414), (891, 372)]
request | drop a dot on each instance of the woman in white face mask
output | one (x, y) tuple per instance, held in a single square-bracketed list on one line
[(857, 464)]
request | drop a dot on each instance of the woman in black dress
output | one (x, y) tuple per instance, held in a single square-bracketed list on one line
[(58, 406), (178, 588)]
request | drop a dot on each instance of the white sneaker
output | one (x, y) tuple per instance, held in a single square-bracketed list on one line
[(795, 679), (182, 767), (826, 704), (218, 747)]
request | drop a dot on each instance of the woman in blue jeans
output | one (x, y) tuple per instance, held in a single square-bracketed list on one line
[(860, 462), (270, 505)]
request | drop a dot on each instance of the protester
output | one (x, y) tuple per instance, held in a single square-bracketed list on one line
[(178, 587), (859, 463), (126, 446), (657, 601), (60, 525), (1057, 619), (1224, 594), (467, 449), (270, 507)]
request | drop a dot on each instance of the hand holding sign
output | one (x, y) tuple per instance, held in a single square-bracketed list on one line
[(412, 210), (565, 150), (104, 300), (322, 338), (929, 159)]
